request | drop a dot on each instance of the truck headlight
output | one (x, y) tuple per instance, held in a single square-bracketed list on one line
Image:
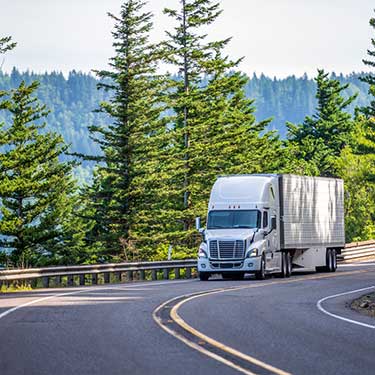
[(253, 253), (202, 252)]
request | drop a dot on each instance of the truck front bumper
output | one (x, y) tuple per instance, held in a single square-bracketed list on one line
[(248, 265)]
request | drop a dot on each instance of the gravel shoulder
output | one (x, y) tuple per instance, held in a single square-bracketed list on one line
[(365, 304)]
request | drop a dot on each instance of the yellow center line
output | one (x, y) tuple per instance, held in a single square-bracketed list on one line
[(182, 323)]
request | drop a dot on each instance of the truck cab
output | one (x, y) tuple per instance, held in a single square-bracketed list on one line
[(241, 235)]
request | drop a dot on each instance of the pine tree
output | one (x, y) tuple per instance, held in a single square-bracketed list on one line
[(128, 145), (369, 110), (212, 128), (321, 138), (34, 185)]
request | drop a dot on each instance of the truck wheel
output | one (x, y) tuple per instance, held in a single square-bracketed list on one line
[(203, 276), (329, 261), (284, 269), (288, 263), (334, 260), (261, 274)]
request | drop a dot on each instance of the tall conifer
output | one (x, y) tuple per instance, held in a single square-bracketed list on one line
[(319, 140), (34, 185), (128, 146), (212, 129)]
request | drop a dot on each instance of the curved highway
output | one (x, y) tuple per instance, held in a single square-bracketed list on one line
[(300, 325)]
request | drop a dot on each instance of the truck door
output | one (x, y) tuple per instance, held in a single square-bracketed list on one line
[(270, 247), (273, 257)]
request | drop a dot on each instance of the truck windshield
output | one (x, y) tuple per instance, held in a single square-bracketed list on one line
[(233, 219)]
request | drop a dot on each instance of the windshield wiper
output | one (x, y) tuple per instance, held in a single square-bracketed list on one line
[(242, 226)]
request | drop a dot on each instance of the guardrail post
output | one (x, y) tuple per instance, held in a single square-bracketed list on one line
[(106, 277), (70, 280), (166, 273), (142, 274), (82, 279), (130, 275), (188, 272), (118, 276), (177, 273), (94, 278), (154, 274), (45, 281), (58, 280)]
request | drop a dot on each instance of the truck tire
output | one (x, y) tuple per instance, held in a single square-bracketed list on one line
[(261, 274), (329, 267), (288, 262), (203, 276), (284, 269), (334, 260)]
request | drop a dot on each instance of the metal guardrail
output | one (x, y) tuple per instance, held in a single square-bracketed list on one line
[(94, 274), (357, 251), (119, 272)]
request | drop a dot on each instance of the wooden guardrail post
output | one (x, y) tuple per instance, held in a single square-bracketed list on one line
[(94, 278), (106, 277), (188, 272), (177, 273), (45, 281), (166, 273), (58, 280), (154, 274), (130, 275), (70, 280), (142, 274), (82, 279)]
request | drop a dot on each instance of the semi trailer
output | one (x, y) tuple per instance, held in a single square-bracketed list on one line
[(271, 224)]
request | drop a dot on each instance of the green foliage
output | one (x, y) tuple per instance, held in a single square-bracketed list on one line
[(212, 128), (320, 139), (369, 78), (360, 195), (34, 185), (128, 144)]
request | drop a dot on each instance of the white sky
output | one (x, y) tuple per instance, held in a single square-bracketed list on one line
[(276, 37)]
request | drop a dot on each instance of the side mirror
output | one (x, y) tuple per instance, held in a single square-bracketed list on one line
[(273, 223), (198, 223)]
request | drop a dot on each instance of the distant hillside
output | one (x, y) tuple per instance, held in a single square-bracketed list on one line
[(72, 101)]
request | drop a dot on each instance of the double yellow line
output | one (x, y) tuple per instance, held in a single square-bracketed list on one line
[(173, 305)]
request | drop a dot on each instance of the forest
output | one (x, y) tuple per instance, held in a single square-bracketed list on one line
[(115, 165)]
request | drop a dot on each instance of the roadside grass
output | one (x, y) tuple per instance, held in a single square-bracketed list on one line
[(12, 288)]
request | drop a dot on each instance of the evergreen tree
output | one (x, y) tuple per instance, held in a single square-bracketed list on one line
[(370, 78), (128, 145), (212, 128), (320, 139), (34, 185)]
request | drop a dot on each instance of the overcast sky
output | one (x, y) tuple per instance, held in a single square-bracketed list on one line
[(276, 37)]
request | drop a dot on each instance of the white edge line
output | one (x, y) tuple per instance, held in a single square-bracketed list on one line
[(89, 289), (319, 306)]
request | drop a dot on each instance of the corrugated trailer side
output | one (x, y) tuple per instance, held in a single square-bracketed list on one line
[(311, 212)]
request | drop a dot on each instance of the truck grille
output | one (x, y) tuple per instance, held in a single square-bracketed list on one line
[(227, 249)]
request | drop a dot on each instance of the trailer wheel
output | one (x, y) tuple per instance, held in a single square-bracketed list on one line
[(334, 260), (288, 263), (329, 267), (284, 265), (203, 276), (261, 274)]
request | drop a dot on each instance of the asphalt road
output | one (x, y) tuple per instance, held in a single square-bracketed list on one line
[(249, 326)]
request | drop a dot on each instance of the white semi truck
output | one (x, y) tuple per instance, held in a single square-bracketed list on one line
[(272, 224)]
